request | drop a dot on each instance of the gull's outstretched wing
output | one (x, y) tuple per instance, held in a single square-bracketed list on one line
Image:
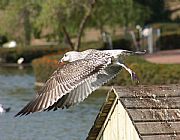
[(87, 87), (63, 81)]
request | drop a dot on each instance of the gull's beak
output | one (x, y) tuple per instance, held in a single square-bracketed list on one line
[(62, 60)]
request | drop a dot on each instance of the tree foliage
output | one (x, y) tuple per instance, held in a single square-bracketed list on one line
[(18, 18), (64, 16), (159, 13), (58, 19), (119, 12), (58, 13)]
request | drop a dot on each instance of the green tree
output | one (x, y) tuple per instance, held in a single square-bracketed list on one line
[(17, 19), (157, 9), (3, 4), (65, 17), (119, 12)]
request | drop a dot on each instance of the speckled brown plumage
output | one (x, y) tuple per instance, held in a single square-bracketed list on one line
[(65, 82), (74, 81)]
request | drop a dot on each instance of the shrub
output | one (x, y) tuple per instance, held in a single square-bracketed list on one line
[(91, 45), (118, 43), (11, 55), (148, 73), (167, 28), (122, 43), (44, 67), (170, 35), (168, 42)]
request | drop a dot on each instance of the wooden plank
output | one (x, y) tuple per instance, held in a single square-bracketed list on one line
[(151, 103), (150, 115), (148, 91), (158, 128), (162, 137), (102, 115), (126, 127)]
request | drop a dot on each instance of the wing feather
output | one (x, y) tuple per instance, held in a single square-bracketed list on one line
[(65, 80), (87, 87)]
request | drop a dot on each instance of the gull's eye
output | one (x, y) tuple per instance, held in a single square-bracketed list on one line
[(65, 55)]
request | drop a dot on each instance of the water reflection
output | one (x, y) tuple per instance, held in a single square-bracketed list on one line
[(4, 71), (17, 88)]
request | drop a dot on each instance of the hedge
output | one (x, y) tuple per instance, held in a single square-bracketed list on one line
[(118, 43), (167, 28), (11, 55), (148, 73), (44, 67), (168, 42), (170, 35)]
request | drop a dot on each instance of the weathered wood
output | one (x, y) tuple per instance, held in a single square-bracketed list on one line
[(151, 103), (103, 114), (119, 126), (148, 91), (158, 128), (162, 137), (156, 115)]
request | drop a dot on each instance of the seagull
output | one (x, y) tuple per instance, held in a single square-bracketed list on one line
[(2, 109), (20, 60), (83, 73)]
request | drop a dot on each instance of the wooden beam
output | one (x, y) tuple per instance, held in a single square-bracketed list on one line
[(148, 91), (152, 103), (162, 137), (158, 128), (155, 115)]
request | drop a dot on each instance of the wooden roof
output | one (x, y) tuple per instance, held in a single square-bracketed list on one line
[(154, 111), (101, 117)]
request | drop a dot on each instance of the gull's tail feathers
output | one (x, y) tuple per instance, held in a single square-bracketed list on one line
[(119, 52), (140, 52), (126, 52)]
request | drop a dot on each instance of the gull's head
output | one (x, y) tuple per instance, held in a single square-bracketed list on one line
[(74, 55), (71, 56)]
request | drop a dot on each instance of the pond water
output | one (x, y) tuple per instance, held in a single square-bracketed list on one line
[(17, 88)]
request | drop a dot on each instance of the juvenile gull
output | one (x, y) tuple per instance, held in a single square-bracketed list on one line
[(70, 84)]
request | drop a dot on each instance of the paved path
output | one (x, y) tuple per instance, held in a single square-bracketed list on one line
[(165, 57)]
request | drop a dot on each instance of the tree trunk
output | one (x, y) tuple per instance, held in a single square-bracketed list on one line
[(27, 27), (68, 38), (82, 25)]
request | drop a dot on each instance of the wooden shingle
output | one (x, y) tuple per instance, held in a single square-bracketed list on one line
[(153, 110)]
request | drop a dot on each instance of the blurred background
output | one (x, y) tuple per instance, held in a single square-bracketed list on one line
[(35, 34)]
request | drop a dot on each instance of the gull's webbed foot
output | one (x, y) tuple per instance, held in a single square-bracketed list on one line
[(134, 77), (132, 73)]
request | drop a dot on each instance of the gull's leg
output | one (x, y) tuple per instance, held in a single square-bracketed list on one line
[(132, 73)]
